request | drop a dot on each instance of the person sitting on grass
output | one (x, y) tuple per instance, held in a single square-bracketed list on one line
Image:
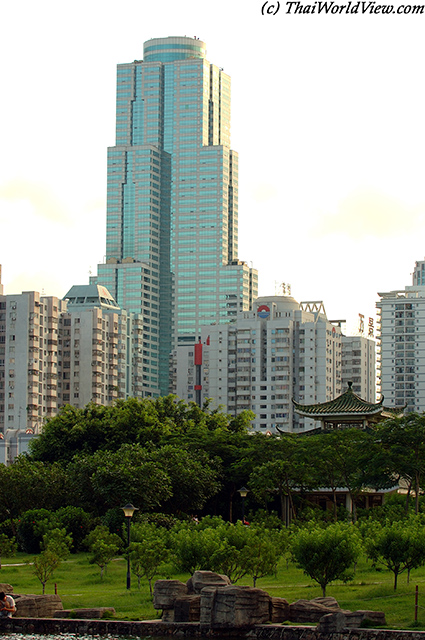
[(7, 605)]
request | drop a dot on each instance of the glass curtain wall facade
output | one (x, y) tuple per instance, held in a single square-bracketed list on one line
[(172, 212)]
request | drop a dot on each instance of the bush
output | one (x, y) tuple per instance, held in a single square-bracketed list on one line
[(77, 522), (31, 528)]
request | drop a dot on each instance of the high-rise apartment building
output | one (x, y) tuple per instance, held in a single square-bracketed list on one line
[(172, 206), (101, 358), (359, 366), (74, 351), (29, 341), (419, 273), (401, 344), (279, 351)]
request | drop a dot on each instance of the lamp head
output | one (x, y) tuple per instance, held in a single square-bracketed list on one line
[(129, 509)]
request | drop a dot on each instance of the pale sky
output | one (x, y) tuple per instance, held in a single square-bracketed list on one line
[(328, 118)]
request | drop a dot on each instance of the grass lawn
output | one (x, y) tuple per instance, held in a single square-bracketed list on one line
[(79, 585)]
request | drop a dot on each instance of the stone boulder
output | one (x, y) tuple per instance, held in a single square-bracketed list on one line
[(187, 608), (37, 606), (338, 620), (234, 606), (165, 593), (279, 610), (354, 619), (332, 623), (201, 579), (6, 588), (310, 611), (327, 601)]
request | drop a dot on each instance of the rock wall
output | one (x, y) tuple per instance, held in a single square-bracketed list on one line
[(211, 600), (159, 629)]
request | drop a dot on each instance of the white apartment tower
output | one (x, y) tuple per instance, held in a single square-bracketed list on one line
[(359, 366), (401, 344), (101, 349), (29, 380), (278, 351), (74, 351)]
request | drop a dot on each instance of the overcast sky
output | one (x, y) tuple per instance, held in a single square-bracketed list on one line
[(327, 117)]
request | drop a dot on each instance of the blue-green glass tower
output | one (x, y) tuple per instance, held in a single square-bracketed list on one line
[(172, 208)]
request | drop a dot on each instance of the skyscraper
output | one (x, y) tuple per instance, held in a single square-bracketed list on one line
[(172, 211), (401, 344)]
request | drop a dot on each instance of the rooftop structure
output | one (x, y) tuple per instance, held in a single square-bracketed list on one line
[(346, 410)]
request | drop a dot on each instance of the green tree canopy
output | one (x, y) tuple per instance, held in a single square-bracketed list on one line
[(148, 551), (398, 546), (403, 442), (104, 546), (326, 554)]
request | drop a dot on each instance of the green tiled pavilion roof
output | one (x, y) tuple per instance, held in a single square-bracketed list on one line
[(347, 404)]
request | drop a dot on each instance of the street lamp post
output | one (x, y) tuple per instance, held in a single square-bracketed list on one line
[(243, 492), (129, 509)]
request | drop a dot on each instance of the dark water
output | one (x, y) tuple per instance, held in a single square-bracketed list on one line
[(63, 636)]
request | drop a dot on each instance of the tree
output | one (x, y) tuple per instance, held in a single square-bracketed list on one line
[(148, 552), (77, 523), (192, 477), (326, 469), (403, 441), (232, 549), (104, 477), (231, 556), (32, 525), (104, 546), (326, 554), (147, 421), (398, 546), (56, 545), (284, 472), (7, 546), (193, 548), (27, 484), (352, 449), (263, 551), (58, 541), (44, 565)]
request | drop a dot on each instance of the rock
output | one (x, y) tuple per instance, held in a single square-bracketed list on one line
[(207, 605), (332, 622), (37, 606), (167, 615), (308, 611), (279, 610), (89, 614), (354, 619), (328, 602), (166, 591), (7, 588), (187, 608), (201, 579), (234, 606)]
